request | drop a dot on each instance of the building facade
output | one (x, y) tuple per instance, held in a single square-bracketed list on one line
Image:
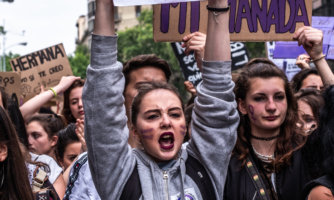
[(125, 17)]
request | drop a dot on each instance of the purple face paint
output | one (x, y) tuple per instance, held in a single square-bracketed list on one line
[(145, 132), (183, 132), (251, 110), (148, 137)]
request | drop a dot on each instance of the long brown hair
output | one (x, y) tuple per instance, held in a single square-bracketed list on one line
[(16, 184), (291, 137), (66, 112), (313, 98)]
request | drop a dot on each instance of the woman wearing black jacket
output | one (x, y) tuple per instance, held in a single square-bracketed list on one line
[(268, 161)]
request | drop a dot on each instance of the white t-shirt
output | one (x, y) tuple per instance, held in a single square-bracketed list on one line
[(83, 187), (55, 170)]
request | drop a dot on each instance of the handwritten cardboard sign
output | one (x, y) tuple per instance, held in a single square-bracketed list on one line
[(250, 20), (292, 50), (287, 65), (145, 2), (330, 54), (190, 70), (44, 67), (11, 81)]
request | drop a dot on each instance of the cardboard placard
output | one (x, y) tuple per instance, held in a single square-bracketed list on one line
[(250, 20), (191, 72), (145, 2), (44, 67), (11, 81), (287, 65), (188, 64), (292, 50), (330, 54)]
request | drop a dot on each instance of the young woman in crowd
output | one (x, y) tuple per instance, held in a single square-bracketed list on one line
[(159, 170), (323, 188), (14, 182), (267, 162), (68, 146), (32, 160), (307, 78), (42, 130), (73, 107), (310, 102), (30, 108)]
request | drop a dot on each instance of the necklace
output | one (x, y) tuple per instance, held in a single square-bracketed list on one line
[(264, 138), (263, 157)]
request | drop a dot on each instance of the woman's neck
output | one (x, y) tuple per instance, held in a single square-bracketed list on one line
[(266, 148)]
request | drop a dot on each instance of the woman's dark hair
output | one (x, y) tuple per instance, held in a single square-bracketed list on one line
[(15, 116), (51, 124), (297, 80), (191, 100), (4, 97), (313, 98), (65, 137), (13, 169), (290, 133), (143, 61), (146, 88), (326, 127), (66, 109), (187, 113)]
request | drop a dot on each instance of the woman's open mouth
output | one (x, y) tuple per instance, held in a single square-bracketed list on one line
[(166, 140)]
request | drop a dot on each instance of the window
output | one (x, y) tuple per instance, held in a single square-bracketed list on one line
[(91, 9), (138, 11), (116, 15), (91, 25)]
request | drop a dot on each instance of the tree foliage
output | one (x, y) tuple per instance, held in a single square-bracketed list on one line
[(139, 40), (80, 61), (9, 56)]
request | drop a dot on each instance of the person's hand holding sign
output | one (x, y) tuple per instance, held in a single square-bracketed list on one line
[(312, 41), (195, 42)]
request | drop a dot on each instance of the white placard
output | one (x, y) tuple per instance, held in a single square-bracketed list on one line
[(146, 2)]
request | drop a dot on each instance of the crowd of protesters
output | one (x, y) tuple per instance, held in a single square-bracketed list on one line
[(125, 133)]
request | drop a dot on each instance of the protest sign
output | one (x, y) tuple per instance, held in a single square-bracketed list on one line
[(250, 20), (292, 50), (287, 65), (44, 67), (330, 54), (188, 64), (145, 2), (11, 81)]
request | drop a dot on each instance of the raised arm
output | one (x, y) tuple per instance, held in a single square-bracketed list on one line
[(218, 36), (312, 41), (215, 118), (110, 157), (34, 104)]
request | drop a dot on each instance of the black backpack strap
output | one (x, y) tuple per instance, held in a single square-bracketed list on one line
[(326, 181), (196, 171), (48, 192), (76, 169), (256, 179), (132, 189)]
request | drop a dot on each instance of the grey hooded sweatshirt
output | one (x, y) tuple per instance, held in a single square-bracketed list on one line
[(111, 159)]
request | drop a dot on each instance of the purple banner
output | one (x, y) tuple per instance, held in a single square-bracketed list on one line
[(288, 50), (330, 54)]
